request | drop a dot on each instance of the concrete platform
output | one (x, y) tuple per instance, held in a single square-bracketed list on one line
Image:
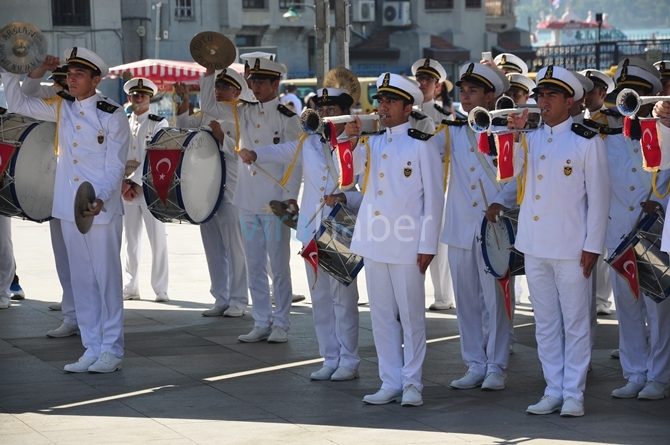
[(187, 380)]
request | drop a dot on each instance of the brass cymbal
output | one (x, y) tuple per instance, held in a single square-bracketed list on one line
[(285, 214), (23, 47), (85, 195), (212, 50), (341, 77)]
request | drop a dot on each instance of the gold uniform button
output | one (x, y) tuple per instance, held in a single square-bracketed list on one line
[(78, 127), (381, 175), (324, 178), (380, 193), (134, 147), (542, 157), (631, 208), (258, 125), (76, 179), (633, 169), (321, 200), (632, 188), (256, 141), (390, 139), (540, 177), (377, 213), (535, 218), (635, 150), (321, 188), (262, 112), (75, 161), (472, 187), (550, 140), (74, 145), (472, 150), (472, 169), (474, 204), (253, 174), (384, 156), (537, 196), (81, 113), (327, 169)]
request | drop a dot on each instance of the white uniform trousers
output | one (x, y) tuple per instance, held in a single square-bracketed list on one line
[(561, 304), (225, 253), (7, 266), (397, 290), (440, 274), (63, 271), (601, 291), (266, 237), (641, 362), (135, 213), (335, 310), (97, 285), (480, 311)]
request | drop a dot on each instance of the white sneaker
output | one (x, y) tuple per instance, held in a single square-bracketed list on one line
[(162, 297), (602, 309), (5, 303), (131, 297), (214, 311), (55, 307), (322, 374), (653, 391), (441, 306), (64, 330), (630, 391), (572, 408), (256, 334), (468, 381), (383, 397), (106, 363), (234, 311), (546, 405), (343, 373), (278, 335), (82, 364), (494, 381), (411, 397)]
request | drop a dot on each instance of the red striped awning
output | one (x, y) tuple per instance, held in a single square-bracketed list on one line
[(165, 72)]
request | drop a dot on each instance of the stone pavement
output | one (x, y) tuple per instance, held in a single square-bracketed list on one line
[(187, 380)]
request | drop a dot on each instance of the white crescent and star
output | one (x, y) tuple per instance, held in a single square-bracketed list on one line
[(344, 157), (625, 268), (167, 161), (313, 256), (506, 149), (646, 132)]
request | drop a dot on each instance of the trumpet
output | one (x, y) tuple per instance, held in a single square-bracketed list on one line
[(506, 102), (313, 124), (480, 119), (628, 102)]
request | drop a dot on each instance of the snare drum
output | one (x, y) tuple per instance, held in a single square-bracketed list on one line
[(333, 240), (197, 187), (27, 185), (653, 265), (500, 255)]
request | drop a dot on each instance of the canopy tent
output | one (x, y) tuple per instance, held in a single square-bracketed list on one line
[(165, 72)]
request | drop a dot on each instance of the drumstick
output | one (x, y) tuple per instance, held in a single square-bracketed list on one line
[(262, 170), (639, 217), (323, 203), (486, 203)]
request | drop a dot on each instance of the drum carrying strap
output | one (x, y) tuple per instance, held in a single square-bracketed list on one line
[(632, 145), (329, 160), (487, 167)]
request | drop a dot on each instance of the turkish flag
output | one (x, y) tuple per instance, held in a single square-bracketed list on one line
[(345, 158), (651, 149), (504, 284), (505, 144), (311, 254), (163, 163), (626, 266), (6, 153)]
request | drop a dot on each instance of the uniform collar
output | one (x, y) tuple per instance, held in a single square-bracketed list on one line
[(142, 117), (270, 104), (563, 126), (89, 102), (427, 105), (399, 128)]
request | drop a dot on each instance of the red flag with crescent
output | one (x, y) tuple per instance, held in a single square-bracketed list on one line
[(163, 163), (626, 266), (505, 145), (6, 153), (311, 254), (651, 148), (504, 284), (345, 159)]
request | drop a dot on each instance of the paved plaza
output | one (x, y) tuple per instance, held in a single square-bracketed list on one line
[(187, 380)]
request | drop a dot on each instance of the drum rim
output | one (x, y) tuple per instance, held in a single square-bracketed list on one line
[(510, 231), (632, 239)]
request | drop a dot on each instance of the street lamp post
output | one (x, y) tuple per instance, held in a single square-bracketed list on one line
[(599, 19)]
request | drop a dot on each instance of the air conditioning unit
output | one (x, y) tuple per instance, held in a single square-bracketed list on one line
[(364, 11), (396, 14)]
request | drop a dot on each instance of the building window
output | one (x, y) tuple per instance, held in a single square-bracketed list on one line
[(473, 4), (244, 41), (184, 10), (253, 4), (71, 12), (285, 4), (439, 4)]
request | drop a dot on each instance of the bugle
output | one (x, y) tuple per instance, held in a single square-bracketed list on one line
[(480, 119), (313, 124), (506, 102), (628, 102)]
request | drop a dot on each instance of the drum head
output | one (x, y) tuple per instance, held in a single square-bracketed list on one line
[(497, 253)]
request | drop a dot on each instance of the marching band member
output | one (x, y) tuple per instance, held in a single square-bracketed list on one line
[(480, 305), (222, 235), (335, 306), (93, 138), (509, 63), (7, 266), (429, 73), (262, 123), (31, 87), (397, 233), (664, 68), (143, 127), (562, 224)]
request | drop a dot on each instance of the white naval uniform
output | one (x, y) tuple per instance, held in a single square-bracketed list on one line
[(222, 235), (480, 304), (93, 138), (399, 218), (7, 267), (142, 130), (564, 212), (261, 124), (33, 88), (439, 267), (641, 359), (335, 306)]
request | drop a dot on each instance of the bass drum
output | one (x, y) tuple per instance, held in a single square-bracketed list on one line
[(498, 249), (199, 181), (27, 184)]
